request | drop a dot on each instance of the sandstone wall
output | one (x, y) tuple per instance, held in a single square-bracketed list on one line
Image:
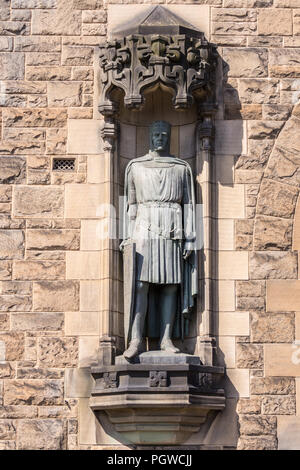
[(53, 270)]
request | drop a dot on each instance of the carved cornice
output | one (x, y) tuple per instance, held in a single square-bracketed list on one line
[(132, 64)]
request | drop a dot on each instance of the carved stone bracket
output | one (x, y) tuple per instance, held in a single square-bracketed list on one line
[(181, 62)]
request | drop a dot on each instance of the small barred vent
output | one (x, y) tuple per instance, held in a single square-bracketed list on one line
[(64, 164)]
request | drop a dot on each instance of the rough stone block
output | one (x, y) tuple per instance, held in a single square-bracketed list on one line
[(13, 345), (52, 239), (272, 265), (249, 356), (50, 117), (64, 21), (255, 90), (37, 44), (250, 62), (7, 430), (11, 244), (33, 392), (12, 65), (56, 296), (272, 386), (74, 55), (64, 94), (272, 233), (47, 321), (12, 170), (277, 199), (38, 202), (58, 352), (41, 434), (255, 425), (275, 22), (30, 270)]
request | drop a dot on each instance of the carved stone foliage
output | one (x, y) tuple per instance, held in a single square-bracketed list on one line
[(136, 62)]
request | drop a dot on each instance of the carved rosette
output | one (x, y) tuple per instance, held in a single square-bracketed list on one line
[(183, 63)]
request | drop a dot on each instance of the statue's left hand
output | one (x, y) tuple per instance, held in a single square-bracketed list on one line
[(186, 253)]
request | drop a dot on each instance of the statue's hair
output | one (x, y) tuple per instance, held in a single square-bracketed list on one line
[(156, 124)]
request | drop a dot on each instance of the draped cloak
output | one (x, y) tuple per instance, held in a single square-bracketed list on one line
[(159, 219)]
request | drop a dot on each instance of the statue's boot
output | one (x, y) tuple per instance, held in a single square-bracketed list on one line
[(168, 346), (133, 350)]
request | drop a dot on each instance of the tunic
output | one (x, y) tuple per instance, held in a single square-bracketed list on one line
[(159, 202)]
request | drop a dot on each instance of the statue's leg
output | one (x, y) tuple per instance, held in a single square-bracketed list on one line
[(140, 310), (168, 307)]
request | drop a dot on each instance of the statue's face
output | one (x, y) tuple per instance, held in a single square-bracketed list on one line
[(160, 138)]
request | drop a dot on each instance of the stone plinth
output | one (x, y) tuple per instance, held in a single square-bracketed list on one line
[(161, 400)]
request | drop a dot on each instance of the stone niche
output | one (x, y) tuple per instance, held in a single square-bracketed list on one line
[(158, 66)]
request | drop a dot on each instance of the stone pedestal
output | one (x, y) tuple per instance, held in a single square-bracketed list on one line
[(160, 399)]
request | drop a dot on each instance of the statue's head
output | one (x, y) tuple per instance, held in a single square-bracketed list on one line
[(160, 133)]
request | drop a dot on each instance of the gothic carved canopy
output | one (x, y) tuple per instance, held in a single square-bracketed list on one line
[(174, 54)]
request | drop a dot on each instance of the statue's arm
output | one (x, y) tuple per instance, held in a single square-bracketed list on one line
[(131, 209), (188, 216)]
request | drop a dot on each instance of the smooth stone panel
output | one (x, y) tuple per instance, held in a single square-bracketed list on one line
[(283, 296), (231, 137), (84, 136), (288, 432), (282, 360)]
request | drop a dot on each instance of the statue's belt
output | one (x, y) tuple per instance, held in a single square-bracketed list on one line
[(172, 205)]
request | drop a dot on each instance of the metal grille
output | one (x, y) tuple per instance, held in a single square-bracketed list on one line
[(64, 164)]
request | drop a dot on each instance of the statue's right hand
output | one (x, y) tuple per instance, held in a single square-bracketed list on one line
[(123, 244)]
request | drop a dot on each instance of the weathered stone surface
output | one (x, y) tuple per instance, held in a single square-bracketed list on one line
[(73, 55), (59, 296), (279, 405), (275, 22), (33, 4), (255, 425), (249, 405), (7, 429), (289, 137), (13, 28), (5, 193), (250, 288), (11, 244), (41, 434), (6, 44), (33, 392), (276, 112), (243, 234), (18, 287), (257, 443), (37, 44), (264, 129), (48, 73), (35, 117), (248, 62), (37, 321), (37, 202), (31, 270), (253, 90), (56, 141), (272, 233), (39, 373), (40, 58), (58, 352), (249, 356), (7, 445), (64, 93), (233, 28), (12, 65), (284, 166), (272, 386), (52, 239), (20, 411), (14, 345), (273, 265), (22, 87), (4, 10), (233, 14), (272, 328), (277, 199), (64, 21), (96, 16), (5, 270), (15, 303), (12, 170), (4, 321)]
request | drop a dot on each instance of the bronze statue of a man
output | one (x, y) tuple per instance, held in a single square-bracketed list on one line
[(160, 231)]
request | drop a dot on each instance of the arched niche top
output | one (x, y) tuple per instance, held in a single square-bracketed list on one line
[(162, 49)]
